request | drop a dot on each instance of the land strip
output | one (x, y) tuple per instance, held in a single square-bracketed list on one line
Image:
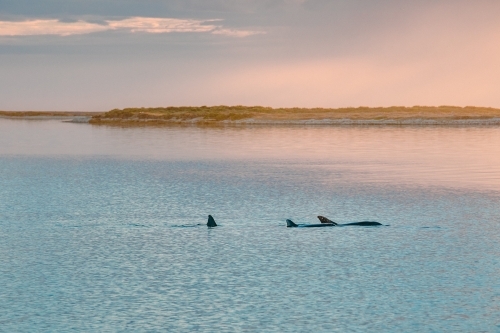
[(265, 115), (77, 117), (248, 115), (29, 114)]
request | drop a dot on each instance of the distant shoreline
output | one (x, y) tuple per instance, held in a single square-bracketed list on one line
[(256, 115), (46, 114)]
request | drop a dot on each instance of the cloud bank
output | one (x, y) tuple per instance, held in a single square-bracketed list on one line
[(328, 53), (132, 24)]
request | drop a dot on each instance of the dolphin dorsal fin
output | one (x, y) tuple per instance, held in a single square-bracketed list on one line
[(211, 222), (326, 220), (290, 224)]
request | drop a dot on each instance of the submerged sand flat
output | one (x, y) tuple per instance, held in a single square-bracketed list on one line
[(78, 117), (396, 115)]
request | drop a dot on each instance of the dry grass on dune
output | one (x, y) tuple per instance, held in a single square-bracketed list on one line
[(259, 114), (235, 113)]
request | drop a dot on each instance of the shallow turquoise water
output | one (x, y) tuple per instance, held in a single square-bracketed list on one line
[(98, 229)]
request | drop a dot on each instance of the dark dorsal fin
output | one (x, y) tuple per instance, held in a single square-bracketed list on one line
[(290, 224), (211, 222), (325, 220)]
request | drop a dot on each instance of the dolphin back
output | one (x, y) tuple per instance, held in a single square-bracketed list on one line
[(364, 223)]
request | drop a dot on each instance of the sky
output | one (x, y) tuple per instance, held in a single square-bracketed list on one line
[(97, 55)]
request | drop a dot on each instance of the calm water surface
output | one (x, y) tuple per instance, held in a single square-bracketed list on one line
[(98, 229)]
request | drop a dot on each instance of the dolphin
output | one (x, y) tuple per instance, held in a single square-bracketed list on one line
[(328, 223), (290, 224), (211, 222), (363, 223)]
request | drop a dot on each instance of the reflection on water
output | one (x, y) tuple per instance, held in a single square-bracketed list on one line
[(448, 156), (98, 229)]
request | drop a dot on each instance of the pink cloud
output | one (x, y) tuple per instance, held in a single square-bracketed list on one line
[(132, 24), (48, 27)]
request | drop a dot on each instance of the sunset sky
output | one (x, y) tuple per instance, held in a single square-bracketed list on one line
[(95, 55)]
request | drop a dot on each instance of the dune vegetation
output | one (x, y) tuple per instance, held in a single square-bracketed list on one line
[(259, 114), (205, 115)]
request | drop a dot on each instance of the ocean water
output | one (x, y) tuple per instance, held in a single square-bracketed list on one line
[(99, 228)]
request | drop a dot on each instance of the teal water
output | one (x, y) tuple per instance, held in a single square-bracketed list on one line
[(98, 229)]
